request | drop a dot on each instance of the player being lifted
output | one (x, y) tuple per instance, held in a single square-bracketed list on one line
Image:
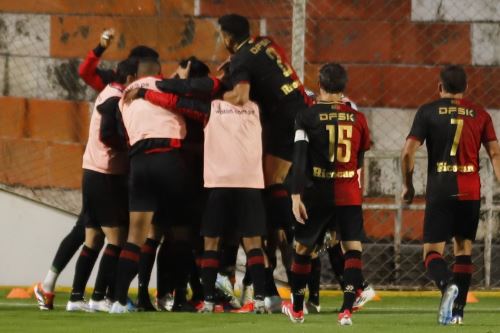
[(453, 129), (260, 71), (330, 141)]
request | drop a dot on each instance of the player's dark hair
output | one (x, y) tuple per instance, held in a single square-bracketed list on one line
[(198, 67), (148, 66), (235, 25), (453, 79), (143, 51), (332, 78), (125, 68)]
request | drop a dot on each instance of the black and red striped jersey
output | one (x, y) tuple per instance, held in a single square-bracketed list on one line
[(262, 63), (453, 130), (337, 136)]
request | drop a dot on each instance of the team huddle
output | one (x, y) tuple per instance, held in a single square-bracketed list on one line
[(184, 170)]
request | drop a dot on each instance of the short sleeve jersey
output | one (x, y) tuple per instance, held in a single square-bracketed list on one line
[(337, 134), (262, 63), (453, 130)]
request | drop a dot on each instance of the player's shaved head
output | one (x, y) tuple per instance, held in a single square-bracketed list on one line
[(148, 67), (453, 79), (332, 78), (143, 51)]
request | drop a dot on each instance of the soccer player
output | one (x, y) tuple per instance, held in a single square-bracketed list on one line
[(157, 172), (453, 129), (260, 71), (104, 192), (97, 78), (330, 142), (233, 173)]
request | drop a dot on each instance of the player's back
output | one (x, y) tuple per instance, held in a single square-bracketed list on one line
[(337, 134), (144, 120), (98, 156), (453, 130), (272, 78)]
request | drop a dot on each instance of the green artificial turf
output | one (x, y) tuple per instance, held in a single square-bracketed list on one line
[(391, 314)]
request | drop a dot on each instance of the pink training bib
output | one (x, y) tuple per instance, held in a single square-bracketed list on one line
[(233, 146)]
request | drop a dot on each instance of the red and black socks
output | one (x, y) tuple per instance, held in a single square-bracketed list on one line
[(128, 265), (256, 268), (146, 263), (353, 278), (84, 266), (165, 270), (301, 268), (106, 276), (270, 284), (462, 275), (437, 269), (314, 281), (336, 257), (194, 279), (209, 269)]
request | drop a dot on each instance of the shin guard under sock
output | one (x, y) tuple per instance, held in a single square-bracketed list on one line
[(301, 268), (84, 266), (352, 277), (128, 265), (462, 275), (437, 269)]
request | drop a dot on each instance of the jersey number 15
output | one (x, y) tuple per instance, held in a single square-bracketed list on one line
[(344, 139)]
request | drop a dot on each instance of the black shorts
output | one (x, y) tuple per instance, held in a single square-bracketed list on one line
[(105, 200), (449, 218), (238, 209), (278, 128), (347, 221), (158, 182)]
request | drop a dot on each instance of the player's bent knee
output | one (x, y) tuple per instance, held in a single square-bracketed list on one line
[(302, 249), (94, 238), (352, 246)]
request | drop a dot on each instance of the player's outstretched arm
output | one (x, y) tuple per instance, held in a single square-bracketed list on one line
[(493, 150), (201, 85), (88, 71), (407, 165)]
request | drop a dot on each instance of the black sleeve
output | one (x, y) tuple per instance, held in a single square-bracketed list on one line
[(107, 75), (361, 158), (110, 133), (239, 69), (202, 85), (419, 128), (99, 50), (299, 161), (193, 104)]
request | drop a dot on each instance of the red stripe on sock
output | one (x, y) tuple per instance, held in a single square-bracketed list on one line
[(301, 268), (198, 262), (209, 263), (148, 249), (464, 268), (279, 193), (255, 260), (126, 254), (110, 253), (353, 263), (431, 257)]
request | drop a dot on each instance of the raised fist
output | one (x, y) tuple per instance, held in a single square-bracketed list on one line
[(106, 37)]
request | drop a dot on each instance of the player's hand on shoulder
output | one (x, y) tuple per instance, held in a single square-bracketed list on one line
[(182, 72), (107, 37), (299, 209), (408, 194)]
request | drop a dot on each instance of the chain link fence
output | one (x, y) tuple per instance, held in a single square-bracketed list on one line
[(393, 50)]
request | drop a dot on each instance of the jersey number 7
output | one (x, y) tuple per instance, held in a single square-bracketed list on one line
[(458, 134), (345, 134)]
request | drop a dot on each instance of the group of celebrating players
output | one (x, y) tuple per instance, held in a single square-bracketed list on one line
[(248, 157)]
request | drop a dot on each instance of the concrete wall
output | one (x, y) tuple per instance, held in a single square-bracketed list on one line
[(29, 237)]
